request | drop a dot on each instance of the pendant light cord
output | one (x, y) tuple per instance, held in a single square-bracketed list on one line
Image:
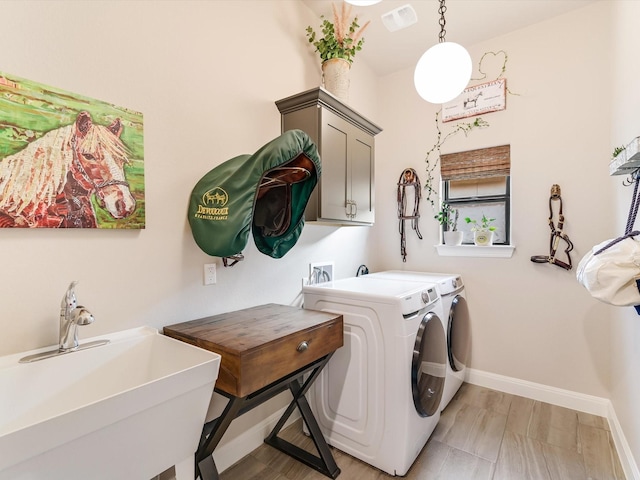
[(442, 10)]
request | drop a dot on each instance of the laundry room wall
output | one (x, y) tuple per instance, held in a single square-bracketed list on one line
[(574, 98), (625, 120), (206, 76), (530, 321)]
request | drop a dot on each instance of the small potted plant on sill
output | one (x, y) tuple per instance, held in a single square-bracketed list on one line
[(448, 218), (337, 47), (482, 231)]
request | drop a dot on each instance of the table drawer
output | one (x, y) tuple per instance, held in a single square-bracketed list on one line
[(260, 345), (277, 359)]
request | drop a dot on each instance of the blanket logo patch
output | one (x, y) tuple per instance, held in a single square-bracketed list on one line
[(213, 205)]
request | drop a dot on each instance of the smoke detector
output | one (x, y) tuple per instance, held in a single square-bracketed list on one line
[(399, 18)]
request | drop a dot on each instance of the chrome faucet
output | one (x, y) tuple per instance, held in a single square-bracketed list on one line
[(71, 315)]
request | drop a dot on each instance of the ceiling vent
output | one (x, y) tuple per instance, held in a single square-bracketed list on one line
[(399, 18)]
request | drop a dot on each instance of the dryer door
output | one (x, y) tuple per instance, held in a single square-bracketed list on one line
[(429, 365), (459, 334)]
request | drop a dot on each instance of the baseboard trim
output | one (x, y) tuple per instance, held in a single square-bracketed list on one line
[(544, 393), (629, 465), (225, 455), (563, 398)]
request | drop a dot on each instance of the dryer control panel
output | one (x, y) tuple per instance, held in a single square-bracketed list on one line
[(450, 285), (418, 300)]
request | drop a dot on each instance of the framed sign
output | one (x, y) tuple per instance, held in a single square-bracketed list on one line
[(476, 100)]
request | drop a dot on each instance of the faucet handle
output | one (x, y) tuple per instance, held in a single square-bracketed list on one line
[(69, 301)]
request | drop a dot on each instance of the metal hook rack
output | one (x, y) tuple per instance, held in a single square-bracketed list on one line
[(626, 160), (631, 178)]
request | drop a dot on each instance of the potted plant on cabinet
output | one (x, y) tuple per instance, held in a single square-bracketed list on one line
[(337, 47), (448, 218), (482, 231)]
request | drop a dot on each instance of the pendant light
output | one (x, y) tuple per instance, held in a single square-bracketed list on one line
[(443, 71), (362, 3)]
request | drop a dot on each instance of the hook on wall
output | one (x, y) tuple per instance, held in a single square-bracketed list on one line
[(632, 178)]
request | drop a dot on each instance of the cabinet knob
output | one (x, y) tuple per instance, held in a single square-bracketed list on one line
[(303, 346)]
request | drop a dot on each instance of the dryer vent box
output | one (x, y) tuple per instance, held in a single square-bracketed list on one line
[(399, 18)]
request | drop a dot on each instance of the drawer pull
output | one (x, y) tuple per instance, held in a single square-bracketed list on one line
[(303, 346)]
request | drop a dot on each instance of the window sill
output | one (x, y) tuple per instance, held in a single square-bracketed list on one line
[(493, 251)]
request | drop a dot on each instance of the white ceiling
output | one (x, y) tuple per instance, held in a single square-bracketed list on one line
[(467, 22)]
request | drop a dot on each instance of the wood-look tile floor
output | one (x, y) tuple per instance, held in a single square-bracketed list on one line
[(482, 434)]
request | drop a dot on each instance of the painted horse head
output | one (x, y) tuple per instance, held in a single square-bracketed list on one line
[(98, 164)]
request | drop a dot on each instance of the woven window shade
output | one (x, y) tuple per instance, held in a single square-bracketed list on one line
[(484, 162)]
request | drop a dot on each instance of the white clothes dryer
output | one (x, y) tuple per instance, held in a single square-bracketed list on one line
[(378, 399), (458, 326)]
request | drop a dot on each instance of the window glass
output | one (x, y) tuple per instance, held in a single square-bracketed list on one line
[(475, 211), (477, 197), (477, 187)]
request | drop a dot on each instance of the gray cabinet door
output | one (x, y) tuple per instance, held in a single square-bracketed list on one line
[(347, 181), (334, 152), (362, 186)]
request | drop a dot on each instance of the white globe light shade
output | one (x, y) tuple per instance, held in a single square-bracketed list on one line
[(363, 3), (443, 72)]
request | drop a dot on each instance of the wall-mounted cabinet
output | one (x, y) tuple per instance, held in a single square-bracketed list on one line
[(345, 140)]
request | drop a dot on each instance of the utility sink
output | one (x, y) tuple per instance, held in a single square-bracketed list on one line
[(129, 409)]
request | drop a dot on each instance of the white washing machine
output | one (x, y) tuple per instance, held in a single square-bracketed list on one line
[(378, 399), (458, 327)]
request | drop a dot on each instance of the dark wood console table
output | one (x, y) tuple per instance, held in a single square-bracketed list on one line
[(265, 350)]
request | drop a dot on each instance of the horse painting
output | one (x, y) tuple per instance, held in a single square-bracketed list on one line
[(49, 183)]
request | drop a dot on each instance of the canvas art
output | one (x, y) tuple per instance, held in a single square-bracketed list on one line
[(68, 161)]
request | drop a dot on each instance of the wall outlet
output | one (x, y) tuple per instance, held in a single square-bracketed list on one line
[(209, 273), (320, 272)]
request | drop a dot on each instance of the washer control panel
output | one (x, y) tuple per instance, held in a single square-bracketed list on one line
[(429, 295)]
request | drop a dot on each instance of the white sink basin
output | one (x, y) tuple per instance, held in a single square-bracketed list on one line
[(129, 409)]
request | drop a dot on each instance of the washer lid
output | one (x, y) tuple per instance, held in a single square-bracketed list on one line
[(447, 282), (411, 296)]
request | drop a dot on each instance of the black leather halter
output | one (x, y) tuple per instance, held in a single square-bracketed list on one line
[(556, 234)]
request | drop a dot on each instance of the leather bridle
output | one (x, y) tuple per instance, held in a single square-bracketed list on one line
[(409, 178), (556, 234)]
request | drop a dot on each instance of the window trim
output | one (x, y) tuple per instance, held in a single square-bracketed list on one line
[(506, 198), (494, 251)]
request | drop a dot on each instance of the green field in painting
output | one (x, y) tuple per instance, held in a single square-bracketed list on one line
[(31, 109)]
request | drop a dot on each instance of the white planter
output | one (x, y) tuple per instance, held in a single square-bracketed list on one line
[(335, 75), (452, 238), (483, 237)]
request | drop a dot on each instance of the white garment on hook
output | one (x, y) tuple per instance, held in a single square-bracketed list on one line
[(611, 275)]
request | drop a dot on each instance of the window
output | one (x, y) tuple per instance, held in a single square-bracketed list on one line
[(477, 183)]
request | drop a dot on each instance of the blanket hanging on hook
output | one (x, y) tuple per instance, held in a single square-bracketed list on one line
[(409, 178), (556, 234), (610, 271)]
